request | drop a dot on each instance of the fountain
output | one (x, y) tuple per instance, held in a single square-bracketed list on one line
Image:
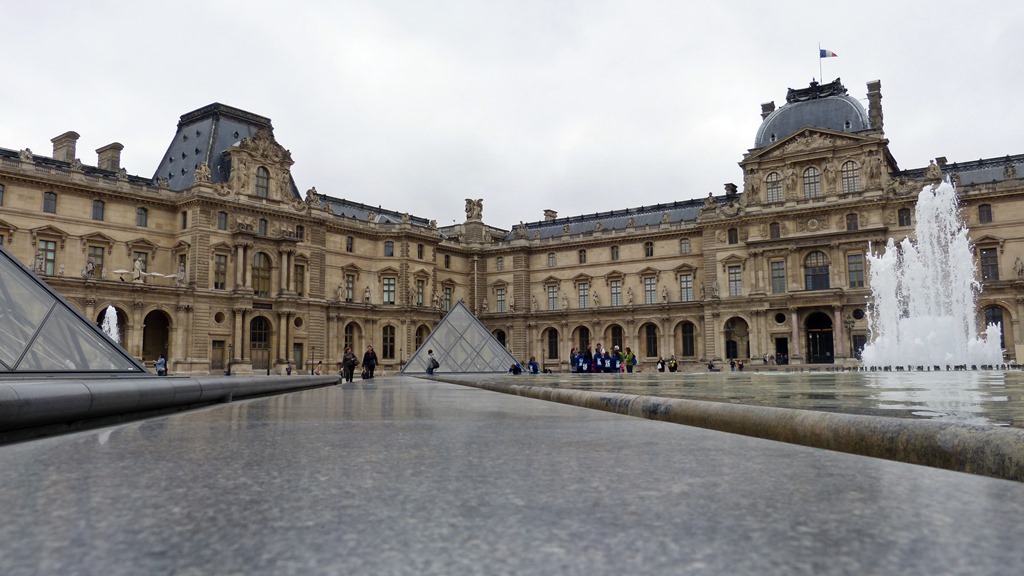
[(109, 324), (923, 294)]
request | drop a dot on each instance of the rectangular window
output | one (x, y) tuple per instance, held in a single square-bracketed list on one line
[(220, 272), (684, 246), (616, 292), (778, 268), (582, 256), (389, 290), (141, 217), (651, 337), (855, 269), (686, 287), (98, 208), (615, 252), (649, 249), (300, 279), (349, 243), (387, 348), (96, 254), (447, 298), (989, 264), (419, 251), (222, 220), (144, 256), (1, 194), (552, 297), (552, 344), (650, 290), (499, 264), (421, 288), (500, 291), (904, 216), (735, 281), (49, 250), (350, 287), (184, 219), (584, 294), (551, 259), (49, 202), (447, 261), (389, 249)]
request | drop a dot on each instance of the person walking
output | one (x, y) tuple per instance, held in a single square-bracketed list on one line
[(319, 370), (432, 363), (369, 361), (348, 364)]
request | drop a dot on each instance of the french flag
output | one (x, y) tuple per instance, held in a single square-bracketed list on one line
[(827, 54)]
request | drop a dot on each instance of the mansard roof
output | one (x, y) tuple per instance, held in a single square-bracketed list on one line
[(681, 211), (202, 136), (985, 170), (358, 211), (47, 162), (819, 105)]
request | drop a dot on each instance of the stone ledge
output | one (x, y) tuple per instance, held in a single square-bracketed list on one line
[(985, 450)]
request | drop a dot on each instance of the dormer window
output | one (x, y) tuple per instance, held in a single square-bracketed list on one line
[(262, 182)]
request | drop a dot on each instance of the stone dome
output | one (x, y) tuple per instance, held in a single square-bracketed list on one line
[(825, 106)]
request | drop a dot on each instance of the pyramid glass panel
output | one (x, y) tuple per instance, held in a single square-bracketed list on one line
[(40, 332), (461, 344)]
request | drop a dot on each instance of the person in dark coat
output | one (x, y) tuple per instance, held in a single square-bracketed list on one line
[(348, 364), (369, 361)]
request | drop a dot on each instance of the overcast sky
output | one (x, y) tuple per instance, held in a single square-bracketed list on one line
[(575, 106)]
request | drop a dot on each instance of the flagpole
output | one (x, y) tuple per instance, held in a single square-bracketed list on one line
[(820, 77)]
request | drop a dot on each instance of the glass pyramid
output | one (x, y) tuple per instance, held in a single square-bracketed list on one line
[(40, 332), (461, 344)]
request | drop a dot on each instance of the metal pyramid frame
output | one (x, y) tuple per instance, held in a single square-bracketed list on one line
[(41, 333), (461, 344)]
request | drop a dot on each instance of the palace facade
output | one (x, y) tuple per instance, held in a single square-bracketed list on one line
[(219, 263)]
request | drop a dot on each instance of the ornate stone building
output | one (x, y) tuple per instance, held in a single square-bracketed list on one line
[(219, 263)]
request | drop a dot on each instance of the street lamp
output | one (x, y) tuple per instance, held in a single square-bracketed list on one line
[(312, 361), (848, 324), (230, 356)]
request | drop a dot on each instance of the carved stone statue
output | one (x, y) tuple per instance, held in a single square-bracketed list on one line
[(830, 176), (179, 278), (714, 288), (933, 173), (664, 294), (597, 300), (40, 264), (629, 295), (312, 198), (474, 209), (1018, 267), (533, 302), (60, 270), (339, 292), (789, 182), (90, 269), (366, 295), (437, 300), (565, 302), (874, 170), (202, 175), (137, 272), (709, 202), (483, 305)]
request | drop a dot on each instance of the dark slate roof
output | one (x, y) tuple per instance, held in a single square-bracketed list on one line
[(820, 105), (203, 135), (48, 162), (682, 211), (355, 210), (980, 171)]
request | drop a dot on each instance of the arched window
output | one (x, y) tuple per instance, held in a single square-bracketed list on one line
[(584, 334), (773, 188), (851, 222), (985, 213), (816, 276), (734, 236), (350, 335), (617, 337), (141, 217), (552, 344), (651, 340), (850, 175), (261, 274), (774, 231), (387, 348), (689, 339), (812, 183), (262, 182), (259, 343)]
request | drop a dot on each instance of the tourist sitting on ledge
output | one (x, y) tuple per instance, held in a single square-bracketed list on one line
[(711, 367), (515, 369), (533, 366)]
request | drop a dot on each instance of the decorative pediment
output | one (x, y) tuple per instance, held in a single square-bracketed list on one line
[(685, 268), (221, 247), (989, 240), (142, 245), (613, 275), (351, 269), (387, 271), (581, 279), (498, 284), (49, 232), (808, 140), (262, 147), (180, 247), (648, 272), (733, 260), (422, 274), (96, 239)]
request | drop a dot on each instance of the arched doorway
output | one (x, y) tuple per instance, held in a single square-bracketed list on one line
[(259, 343), (582, 337), (156, 331), (737, 338), (614, 336), (549, 338), (686, 340), (120, 320), (421, 335), (995, 315), (499, 335), (820, 345), (351, 337)]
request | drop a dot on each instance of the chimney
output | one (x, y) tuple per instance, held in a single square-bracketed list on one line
[(64, 146), (875, 104), (766, 109), (110, 157), (550, 215), (730, 190)]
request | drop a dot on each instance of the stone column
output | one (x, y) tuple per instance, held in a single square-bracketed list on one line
[(839, 344), (239, 266), (247, 269), (794, 338)]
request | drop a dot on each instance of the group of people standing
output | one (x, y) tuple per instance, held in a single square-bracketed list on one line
[(349, 362), (601, 360)]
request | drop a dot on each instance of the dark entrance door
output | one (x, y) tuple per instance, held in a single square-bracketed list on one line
[(781, 350), (820, 345)]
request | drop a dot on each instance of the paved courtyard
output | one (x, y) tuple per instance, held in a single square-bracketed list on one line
[(411, 476)]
